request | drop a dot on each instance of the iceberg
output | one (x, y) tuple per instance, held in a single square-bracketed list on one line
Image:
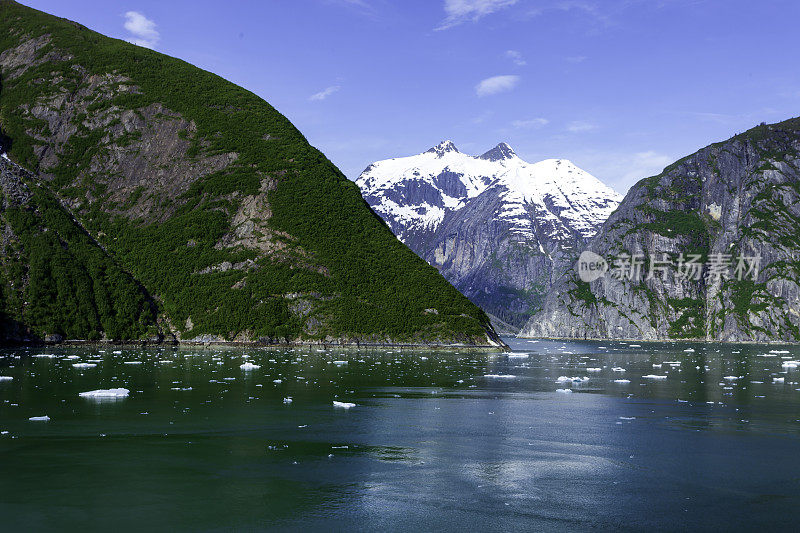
[(6, 378), (83, 365), (343, 405), (105, 393), (249, 366), (44, 418), (564, 391), (654, 376), (500, 376), (287, 400), (622, 381)]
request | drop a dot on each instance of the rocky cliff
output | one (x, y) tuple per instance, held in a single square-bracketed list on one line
[(217, 208), (500, 229), (721, 231)]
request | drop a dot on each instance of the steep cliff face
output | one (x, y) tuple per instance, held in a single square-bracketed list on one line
[(500, 229), (209, 198), (734, 204)]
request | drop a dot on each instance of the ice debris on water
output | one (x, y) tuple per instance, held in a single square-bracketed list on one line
[(44, 418), (249, 366), (343, 405), (105, 393)]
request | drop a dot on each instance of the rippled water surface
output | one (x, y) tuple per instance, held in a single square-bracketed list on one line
[(555, 435)]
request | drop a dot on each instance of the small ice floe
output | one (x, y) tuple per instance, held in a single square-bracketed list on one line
[(564, 391), (790, 364), (657, 365), (343, 405), (249, 366), (45, 355), (689, 350), (277, 381), (339, 363), (6, 378), (103, 394), (627, 418), (672, 363), (44, 418), (500, 376), (779, 351), (731, 378), (593, 369), (618, 369), (287, 400), (132, 362), (83, 365), (777, 380), (634, 346), (654, 376), (622, 381), (574, 379), (517, 355)]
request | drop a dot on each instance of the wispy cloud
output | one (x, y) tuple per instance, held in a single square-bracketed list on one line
[(580, 126), (323, 94), (575, 59), (644, 164), (142, 30), (496, 84), (516, 57), (459, 11), (530, 123)]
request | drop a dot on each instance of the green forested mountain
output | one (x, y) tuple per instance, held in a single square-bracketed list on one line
[(162, 198)]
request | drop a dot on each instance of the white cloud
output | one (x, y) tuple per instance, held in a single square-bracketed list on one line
[(459, 11), (576, 59), (496, 84), (580, 126), (516, 57), (644, 164), (530, 123), (323, 94), (142, 30)]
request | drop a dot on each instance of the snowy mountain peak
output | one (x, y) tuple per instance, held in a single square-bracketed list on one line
[(442, 148), (499, 152)]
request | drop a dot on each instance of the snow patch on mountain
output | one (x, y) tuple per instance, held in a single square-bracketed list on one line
[(414, 194)]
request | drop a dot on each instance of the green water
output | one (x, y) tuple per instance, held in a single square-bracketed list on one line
[(436, 440)]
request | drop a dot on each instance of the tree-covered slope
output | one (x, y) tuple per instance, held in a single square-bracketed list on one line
[(734, 204), (209, 197)]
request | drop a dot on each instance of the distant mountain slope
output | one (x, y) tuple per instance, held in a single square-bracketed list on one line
[(210, 198), (734, 204), (499, 228)]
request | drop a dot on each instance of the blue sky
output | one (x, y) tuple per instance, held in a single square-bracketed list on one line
[(620, 87)]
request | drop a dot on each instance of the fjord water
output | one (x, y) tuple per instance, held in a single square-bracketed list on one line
[(658, 437)]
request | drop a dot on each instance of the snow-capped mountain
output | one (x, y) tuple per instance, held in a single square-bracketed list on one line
[(496, 226)]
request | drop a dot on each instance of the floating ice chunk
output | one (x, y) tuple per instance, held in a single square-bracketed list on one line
[(517, 355), (343, 405), (731, 378), (339, 363), (564, 379), (618, 369), (689, 350), (634, 346), (44, 418), (622, 381), (117, 352), (287, 400), (790, 364), (779, 351), (564, 391), (105, 393), (6, 378), (777, 380), (627, 418), (45, 355), (132, 362), (500, 376), (654, 376), (249, 366), (594, 369), (278, 381), (83, 365)]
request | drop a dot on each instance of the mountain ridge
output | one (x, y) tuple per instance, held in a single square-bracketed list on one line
[(209, 197), (497, 226)]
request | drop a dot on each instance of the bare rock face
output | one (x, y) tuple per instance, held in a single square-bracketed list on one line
[(734, 204)]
